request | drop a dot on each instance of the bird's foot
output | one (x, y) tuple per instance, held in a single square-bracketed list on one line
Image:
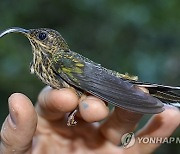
[(71, 118)]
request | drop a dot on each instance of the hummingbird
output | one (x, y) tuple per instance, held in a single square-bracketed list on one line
[(58, 66)]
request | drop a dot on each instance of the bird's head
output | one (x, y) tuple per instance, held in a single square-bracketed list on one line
[(43, 40)]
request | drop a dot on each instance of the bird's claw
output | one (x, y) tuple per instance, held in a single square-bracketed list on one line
[(71, 118)]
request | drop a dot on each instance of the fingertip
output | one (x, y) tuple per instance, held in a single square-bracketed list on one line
[(170, 117), (20, 108), (64, 99), (20, 125), (171, 109), (93, 109), (161, 125), (53, 104)]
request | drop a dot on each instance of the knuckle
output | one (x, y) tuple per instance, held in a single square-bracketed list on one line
[(5, 141)]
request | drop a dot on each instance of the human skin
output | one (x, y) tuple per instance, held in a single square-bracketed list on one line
[(42, 129)]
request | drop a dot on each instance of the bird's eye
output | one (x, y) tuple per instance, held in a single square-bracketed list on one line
[(42, 36)]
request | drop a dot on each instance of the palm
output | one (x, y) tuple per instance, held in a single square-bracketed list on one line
[(56, 137)]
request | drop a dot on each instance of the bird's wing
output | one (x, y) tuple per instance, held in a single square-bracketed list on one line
[(103, 84)]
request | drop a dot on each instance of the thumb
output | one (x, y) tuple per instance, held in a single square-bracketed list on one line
[(19, 127)]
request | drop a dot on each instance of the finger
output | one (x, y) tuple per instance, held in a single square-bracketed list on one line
[(161, 125), (53, 104), (19, 127), (93, 109), (119, 122)]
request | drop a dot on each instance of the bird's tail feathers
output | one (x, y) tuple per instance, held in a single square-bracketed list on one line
[(167, 94)]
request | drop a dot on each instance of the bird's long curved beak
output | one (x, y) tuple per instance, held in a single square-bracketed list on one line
[(14, 30)]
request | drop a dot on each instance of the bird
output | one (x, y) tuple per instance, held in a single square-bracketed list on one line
[(58, 66)]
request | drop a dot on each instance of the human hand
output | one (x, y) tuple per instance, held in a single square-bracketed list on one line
[(44, 130)]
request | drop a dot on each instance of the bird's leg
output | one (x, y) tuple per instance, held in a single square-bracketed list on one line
[(71, 117)]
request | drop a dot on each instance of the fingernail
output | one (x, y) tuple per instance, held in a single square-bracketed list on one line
[(12, 113)]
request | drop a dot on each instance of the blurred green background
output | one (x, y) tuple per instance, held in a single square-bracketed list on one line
[(139, 37)]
